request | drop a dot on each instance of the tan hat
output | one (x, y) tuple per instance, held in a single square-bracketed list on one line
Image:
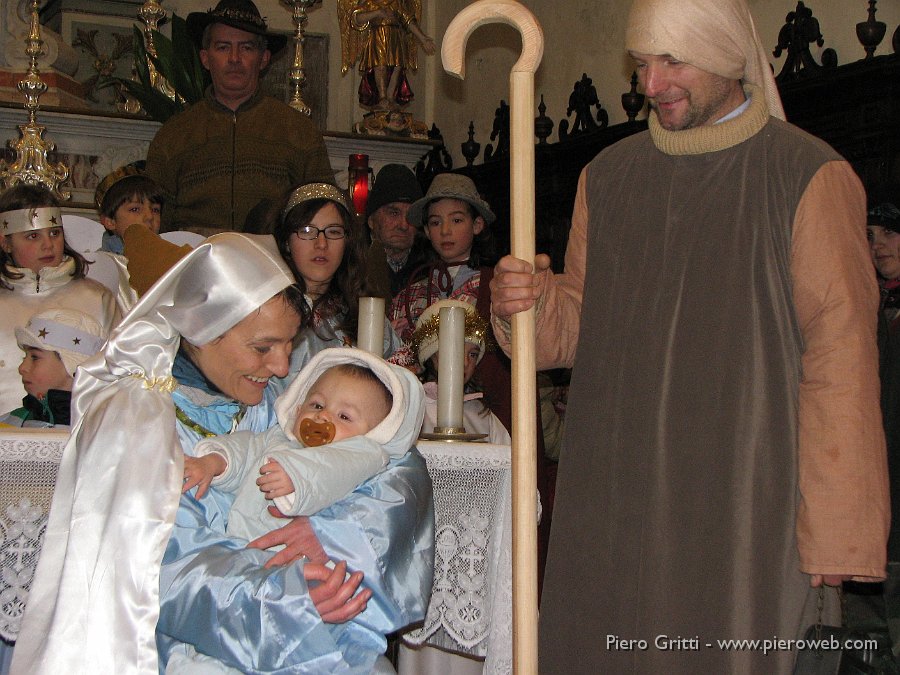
[(73, 335), (425, 338), (450, 186)]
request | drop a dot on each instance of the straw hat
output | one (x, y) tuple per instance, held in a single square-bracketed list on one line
[(450, 186)]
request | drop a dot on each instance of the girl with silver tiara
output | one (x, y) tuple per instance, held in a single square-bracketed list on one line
[(39, 271)]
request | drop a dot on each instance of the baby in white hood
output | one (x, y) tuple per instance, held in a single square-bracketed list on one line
[(339, 423)]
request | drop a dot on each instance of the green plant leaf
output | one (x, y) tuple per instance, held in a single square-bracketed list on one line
[(159, 106), (188, 53), (140, 57), (177, 60), (175, 69)]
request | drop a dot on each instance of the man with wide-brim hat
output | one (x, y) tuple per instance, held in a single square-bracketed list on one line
[(237, 146), (240, 14)]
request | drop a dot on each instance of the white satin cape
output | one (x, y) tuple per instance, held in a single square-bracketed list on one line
[(94, 602)]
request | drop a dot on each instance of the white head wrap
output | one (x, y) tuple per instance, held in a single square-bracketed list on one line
[(716, 36), (120, 477), (73, 335)]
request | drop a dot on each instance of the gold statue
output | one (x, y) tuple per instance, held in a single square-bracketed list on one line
[(383, 37)]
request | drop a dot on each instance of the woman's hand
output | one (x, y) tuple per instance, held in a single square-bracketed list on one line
[(298, 538), (333, 597)]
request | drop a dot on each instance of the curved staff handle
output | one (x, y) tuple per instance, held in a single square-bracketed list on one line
[(524, 395)]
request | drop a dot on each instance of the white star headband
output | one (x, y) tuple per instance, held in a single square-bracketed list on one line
[(25, 220), (55, 335)]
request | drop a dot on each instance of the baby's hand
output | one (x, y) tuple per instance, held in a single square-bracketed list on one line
[(199, 471), (274, 481)]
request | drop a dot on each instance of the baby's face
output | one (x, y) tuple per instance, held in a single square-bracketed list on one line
[(353, 405)]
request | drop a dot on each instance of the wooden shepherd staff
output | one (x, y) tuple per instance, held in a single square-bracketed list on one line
[(524, 421)]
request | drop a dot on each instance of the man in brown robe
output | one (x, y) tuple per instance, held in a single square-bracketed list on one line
[(724, 458)]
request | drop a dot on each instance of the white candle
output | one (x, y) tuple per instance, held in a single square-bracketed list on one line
[(371, 325), (451, 349)]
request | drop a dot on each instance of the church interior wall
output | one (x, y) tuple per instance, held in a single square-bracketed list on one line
[(579, 38)]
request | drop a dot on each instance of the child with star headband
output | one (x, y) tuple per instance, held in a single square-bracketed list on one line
[(39, 271), (55, 342)]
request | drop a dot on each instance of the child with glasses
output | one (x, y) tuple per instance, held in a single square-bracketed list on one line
[(324, 247)]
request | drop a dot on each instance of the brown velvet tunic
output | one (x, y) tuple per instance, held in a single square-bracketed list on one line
[(713, 334)]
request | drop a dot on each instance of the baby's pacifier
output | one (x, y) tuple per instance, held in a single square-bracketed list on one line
[(314, 433)]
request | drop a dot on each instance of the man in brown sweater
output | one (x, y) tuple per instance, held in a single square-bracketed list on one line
[(724, 458), (236, 147)]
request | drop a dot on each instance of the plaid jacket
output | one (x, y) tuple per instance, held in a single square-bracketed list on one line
[(409, 304)]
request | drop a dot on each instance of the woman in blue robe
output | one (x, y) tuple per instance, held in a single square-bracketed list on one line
[(129, 562)]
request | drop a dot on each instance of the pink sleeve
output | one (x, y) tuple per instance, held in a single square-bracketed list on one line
[(844, 513)]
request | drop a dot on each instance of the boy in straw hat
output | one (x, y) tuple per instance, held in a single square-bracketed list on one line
[(456, 221), (724, 451)]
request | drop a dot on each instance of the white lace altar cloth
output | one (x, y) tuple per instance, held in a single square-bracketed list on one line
[(29, 459), (471, 597)]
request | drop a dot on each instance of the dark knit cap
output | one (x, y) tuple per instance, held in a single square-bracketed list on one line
[(882, 208), (393, 183)]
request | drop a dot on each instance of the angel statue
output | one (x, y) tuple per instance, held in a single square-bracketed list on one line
[(381, 35)]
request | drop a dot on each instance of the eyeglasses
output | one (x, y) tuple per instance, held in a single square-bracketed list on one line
[(311, 233)]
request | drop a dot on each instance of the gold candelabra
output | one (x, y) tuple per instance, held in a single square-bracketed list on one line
[(297, 74), (32, 165)]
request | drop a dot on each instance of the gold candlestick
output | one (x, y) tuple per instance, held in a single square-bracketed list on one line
[(151, 13), (297, 74), (451, 364), (31, 164)]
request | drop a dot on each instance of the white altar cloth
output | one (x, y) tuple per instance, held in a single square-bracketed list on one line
[(29, 459), (470, 611), (471, 604)]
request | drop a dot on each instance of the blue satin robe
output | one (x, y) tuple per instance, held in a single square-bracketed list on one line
[(216, 595)]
